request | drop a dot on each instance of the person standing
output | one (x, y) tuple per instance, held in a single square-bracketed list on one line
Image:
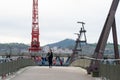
[(50, 58)]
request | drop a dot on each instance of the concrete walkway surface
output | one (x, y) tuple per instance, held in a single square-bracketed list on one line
[(54, 73)]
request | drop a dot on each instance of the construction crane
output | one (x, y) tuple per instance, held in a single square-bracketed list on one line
[(35, 44)]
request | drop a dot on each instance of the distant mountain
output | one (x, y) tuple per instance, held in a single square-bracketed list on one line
[(66, 43), (13, 47)]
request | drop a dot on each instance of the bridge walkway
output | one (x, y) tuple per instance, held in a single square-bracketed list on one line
[(54, 73)]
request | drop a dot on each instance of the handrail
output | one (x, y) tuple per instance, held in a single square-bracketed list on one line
[(13, 66), (110, 71)]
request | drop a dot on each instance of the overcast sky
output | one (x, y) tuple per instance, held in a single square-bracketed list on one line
[(57, 19)]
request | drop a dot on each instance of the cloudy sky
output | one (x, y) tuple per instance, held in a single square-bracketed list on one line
[(57, 19)]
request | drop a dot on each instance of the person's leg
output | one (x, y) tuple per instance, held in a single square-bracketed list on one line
[(50, 63)]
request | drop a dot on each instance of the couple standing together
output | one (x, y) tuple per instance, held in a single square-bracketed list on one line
[(50, 58)]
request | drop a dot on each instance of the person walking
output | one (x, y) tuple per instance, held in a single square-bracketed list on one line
[(50, 58)]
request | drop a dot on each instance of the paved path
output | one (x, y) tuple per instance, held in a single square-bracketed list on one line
[(54, 73)]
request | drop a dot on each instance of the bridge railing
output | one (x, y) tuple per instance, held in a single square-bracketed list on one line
[(84, 63), (13, 66), (110, 71)]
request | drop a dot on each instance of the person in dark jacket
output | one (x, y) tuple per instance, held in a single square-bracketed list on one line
[(50, 58)]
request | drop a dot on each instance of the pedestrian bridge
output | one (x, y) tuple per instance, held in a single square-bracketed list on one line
[(54, 73), (27, 69)]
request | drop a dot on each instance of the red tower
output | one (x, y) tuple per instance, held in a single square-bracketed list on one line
[(35, 44)]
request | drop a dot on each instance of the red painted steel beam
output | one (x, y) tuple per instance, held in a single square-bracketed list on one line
[(35, 44)]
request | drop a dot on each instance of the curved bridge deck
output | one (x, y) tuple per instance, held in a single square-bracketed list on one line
[(54, 73)]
